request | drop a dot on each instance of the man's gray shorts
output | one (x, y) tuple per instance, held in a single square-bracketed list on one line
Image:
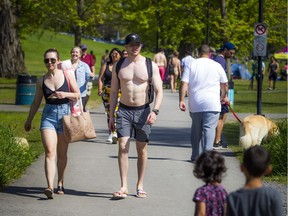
[(131, 119)]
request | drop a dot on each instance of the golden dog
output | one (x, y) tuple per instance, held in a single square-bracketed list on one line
[(254, 129)]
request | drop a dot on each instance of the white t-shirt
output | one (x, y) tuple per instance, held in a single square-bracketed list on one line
[(204, 77), (186, 61)]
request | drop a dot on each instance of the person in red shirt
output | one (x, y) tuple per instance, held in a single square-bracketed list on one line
[(88, 59)]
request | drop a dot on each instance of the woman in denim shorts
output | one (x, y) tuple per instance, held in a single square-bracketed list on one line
[(54, 87)]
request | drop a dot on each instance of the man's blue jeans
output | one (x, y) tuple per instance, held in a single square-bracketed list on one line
[(203, 130)]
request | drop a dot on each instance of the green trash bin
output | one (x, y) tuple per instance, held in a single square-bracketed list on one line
[(25, 89)]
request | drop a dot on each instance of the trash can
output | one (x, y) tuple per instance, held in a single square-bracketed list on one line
[(25, 89)]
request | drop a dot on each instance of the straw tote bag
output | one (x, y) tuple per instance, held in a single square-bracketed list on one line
[(77, 126)]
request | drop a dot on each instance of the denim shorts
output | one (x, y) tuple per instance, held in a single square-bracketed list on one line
[(129, 119), (224, 109), (52, 116)]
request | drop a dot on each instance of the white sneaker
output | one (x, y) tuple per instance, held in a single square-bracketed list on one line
[(109, 139), (114, 138)]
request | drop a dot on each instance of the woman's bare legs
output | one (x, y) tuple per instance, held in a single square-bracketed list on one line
[(49, 140), (62, 149), (172, 83)]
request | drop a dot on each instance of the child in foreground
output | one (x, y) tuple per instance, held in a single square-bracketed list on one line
[(210, 199), (254, 198)]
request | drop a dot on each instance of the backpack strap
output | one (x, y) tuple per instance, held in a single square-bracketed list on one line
[(149, 69), (118, 67), (148, 65), (119, 64)]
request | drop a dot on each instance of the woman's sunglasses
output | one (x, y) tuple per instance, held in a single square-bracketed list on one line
[(52, 60)]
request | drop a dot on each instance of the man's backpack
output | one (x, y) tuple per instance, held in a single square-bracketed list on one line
[(150, 73)]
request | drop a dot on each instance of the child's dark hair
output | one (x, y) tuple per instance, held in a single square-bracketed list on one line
[(210, 167), (256, 160), (52, 50)]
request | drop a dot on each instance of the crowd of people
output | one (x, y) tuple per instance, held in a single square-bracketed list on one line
[(124, 85)]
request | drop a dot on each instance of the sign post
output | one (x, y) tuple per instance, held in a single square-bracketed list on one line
[(260, 39), (260, 49)]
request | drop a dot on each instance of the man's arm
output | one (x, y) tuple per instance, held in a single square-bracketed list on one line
[(157, 83), (224, 92), (182, 93)]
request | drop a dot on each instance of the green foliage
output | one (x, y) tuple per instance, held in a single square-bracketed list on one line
[(15, 121), (13, 157), (277, 146), (177, 21)]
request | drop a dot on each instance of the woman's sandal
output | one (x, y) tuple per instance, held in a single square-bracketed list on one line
[(141, 193), (120, 194), (60, 190), (49, 193)]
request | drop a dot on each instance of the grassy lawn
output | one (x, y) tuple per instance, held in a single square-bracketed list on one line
[(245, 101)]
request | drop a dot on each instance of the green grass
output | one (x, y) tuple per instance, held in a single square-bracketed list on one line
[(245, 101), (36, 44)]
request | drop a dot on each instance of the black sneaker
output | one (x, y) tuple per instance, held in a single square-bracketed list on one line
[(217, 145), (224, 146)]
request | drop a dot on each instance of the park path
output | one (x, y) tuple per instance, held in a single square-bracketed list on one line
[(92, 174)]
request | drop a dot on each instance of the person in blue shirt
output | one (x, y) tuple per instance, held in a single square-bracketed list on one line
[(81, 70)]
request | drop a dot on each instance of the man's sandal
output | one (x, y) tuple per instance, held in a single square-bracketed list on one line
[(120, 194), (141, 193)]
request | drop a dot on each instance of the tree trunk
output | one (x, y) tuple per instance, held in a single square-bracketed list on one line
[(11, 53), (223, 9), (78, 30), (223, 21)]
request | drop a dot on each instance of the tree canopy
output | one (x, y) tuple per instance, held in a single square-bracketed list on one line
[(170, 24)]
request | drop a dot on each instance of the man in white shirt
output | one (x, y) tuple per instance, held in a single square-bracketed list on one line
[(203, 78), (186, 60)]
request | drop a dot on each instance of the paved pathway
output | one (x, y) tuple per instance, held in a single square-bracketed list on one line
[(92, 174)]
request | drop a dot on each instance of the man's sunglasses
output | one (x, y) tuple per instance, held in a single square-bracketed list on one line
[(52, 60)]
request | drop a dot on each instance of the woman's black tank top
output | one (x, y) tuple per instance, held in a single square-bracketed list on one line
[(47, 92), (107, 76)]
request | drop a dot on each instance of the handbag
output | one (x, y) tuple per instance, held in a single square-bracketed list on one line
[(77, 126)]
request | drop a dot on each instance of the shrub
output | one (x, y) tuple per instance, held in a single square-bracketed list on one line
[(14, 158), (277, 146)]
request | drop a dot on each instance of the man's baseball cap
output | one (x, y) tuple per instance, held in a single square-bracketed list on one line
[(83, 46), (132, 38), (229, 46)]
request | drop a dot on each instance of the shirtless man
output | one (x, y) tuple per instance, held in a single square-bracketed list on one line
[(161, 61), (134, 111)]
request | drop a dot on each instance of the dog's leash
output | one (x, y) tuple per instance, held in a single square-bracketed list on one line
[(233, 112)]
